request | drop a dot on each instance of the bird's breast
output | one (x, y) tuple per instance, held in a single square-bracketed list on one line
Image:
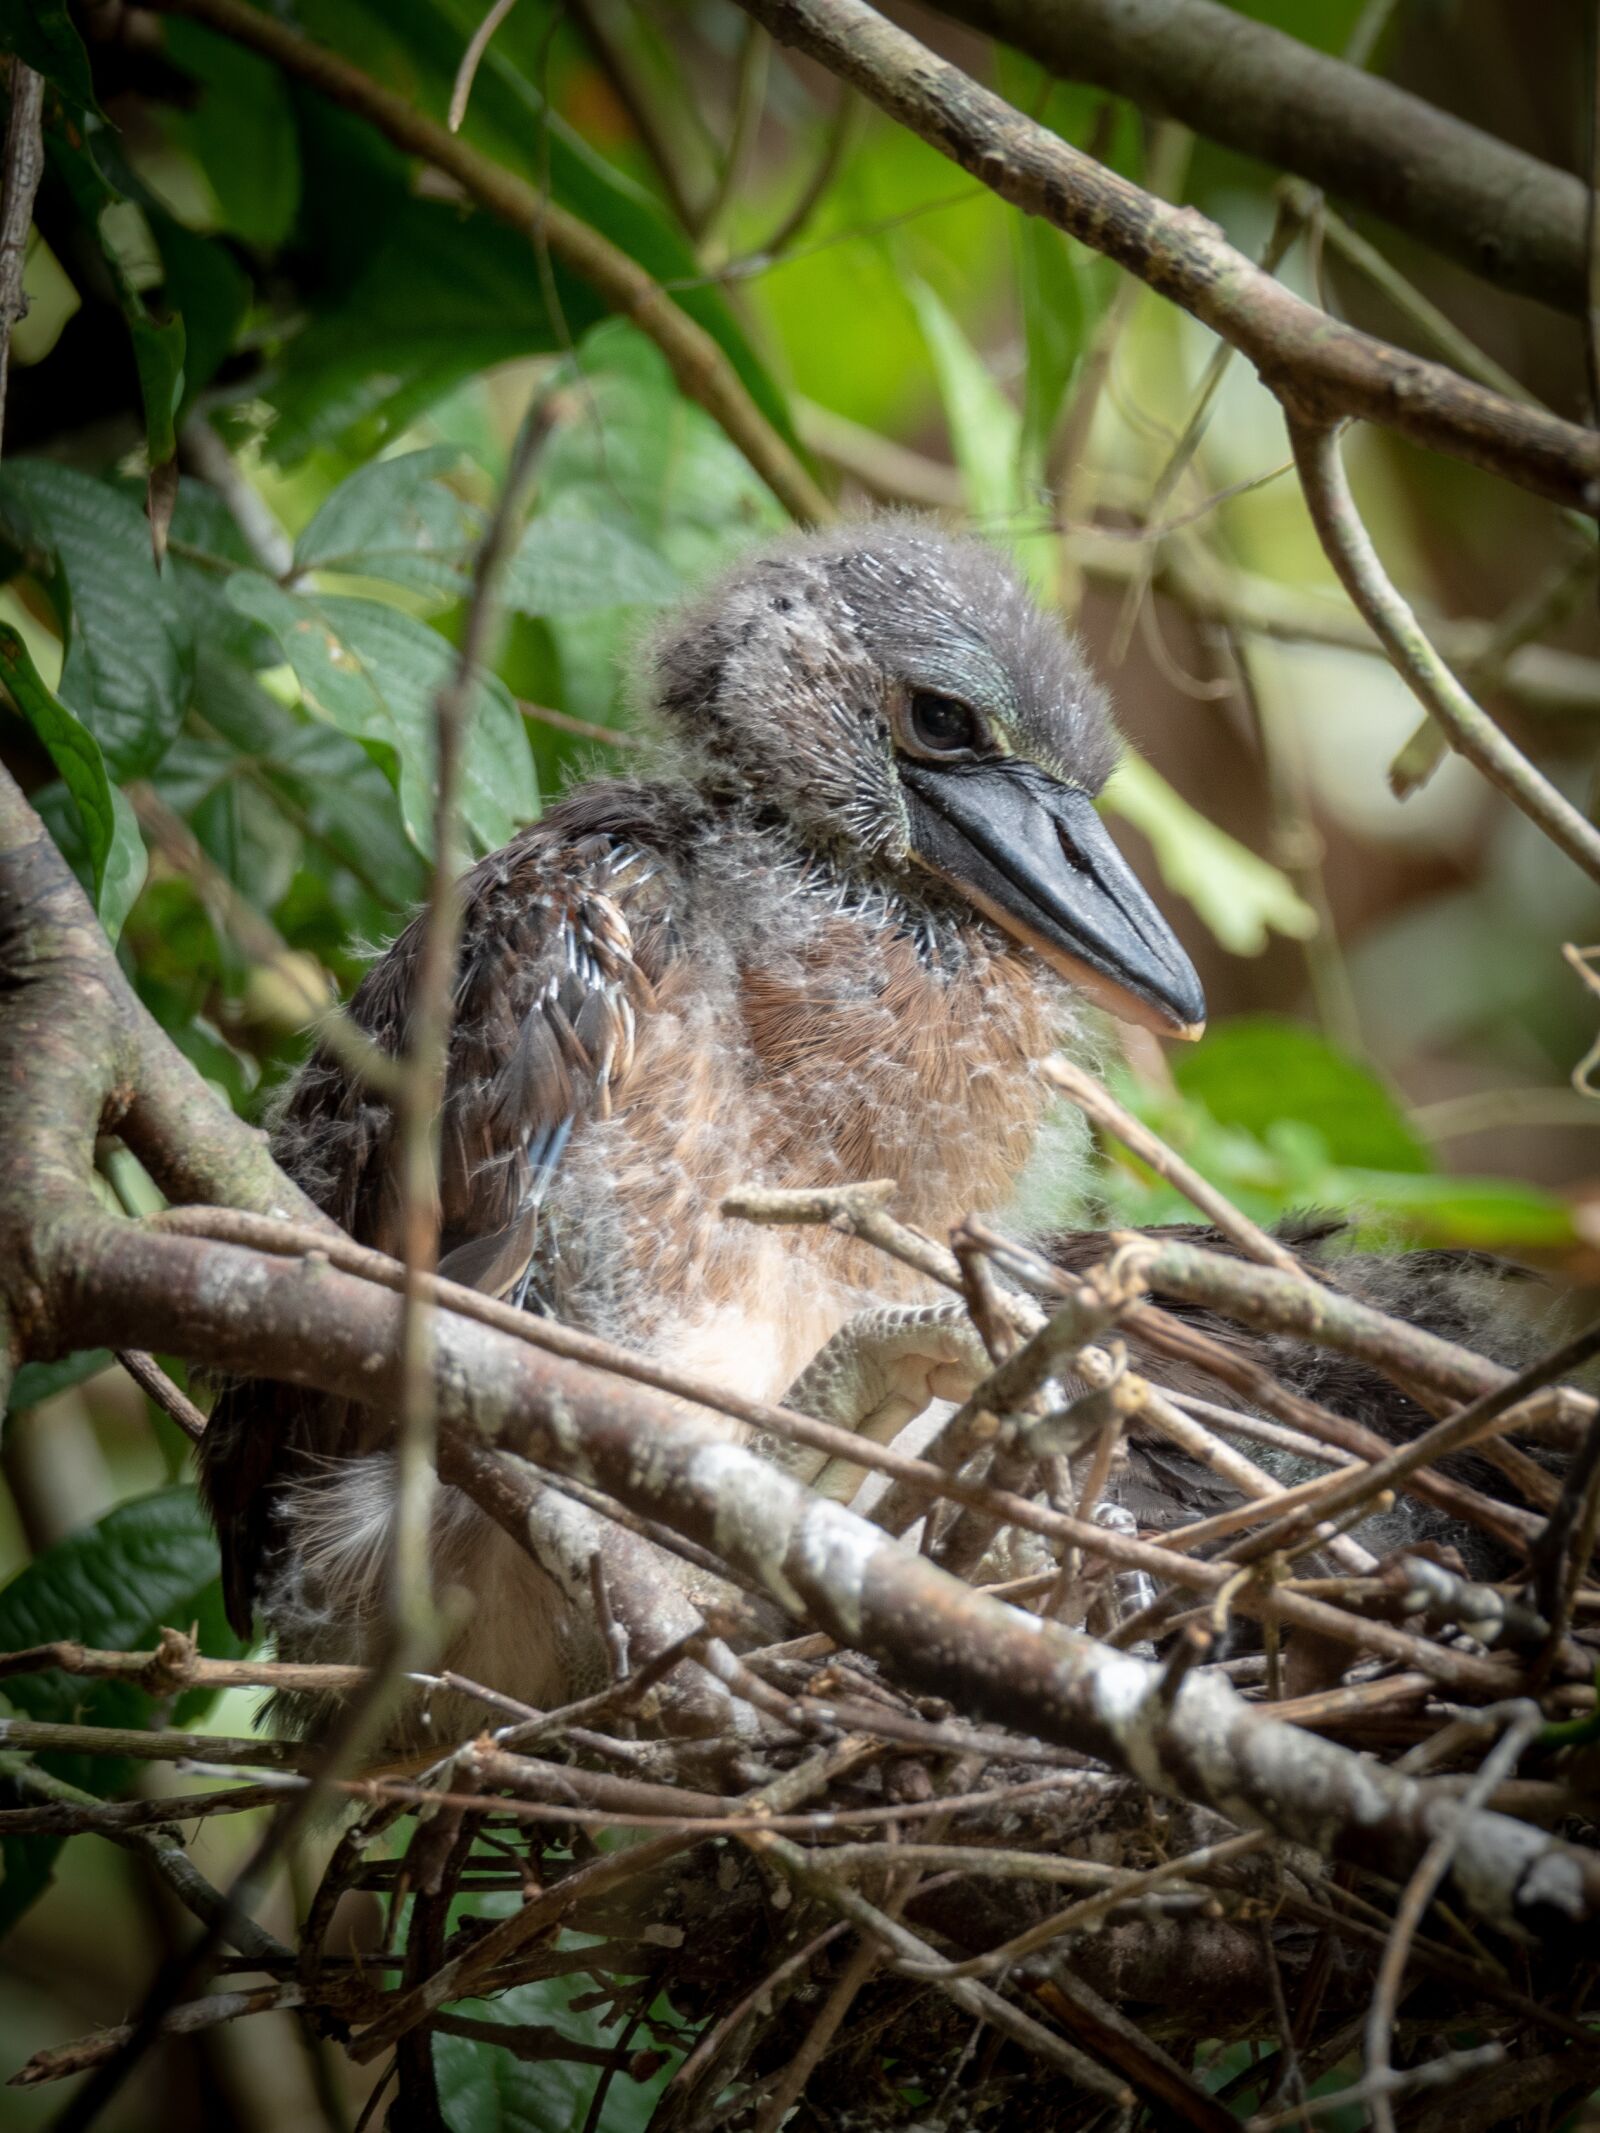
[(842, 1058), (874, 1062)]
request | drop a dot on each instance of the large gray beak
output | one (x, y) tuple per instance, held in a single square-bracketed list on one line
[(1034, 856)]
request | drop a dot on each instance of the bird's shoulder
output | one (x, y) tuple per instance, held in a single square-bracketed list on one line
[(565, 933)]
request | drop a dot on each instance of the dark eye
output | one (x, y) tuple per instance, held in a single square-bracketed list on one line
[(943, 725)]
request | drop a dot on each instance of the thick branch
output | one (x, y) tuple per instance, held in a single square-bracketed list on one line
[(1282, 1303), (80, 1053), (1317, 364), (1497, 211), (317, 1326), (925, 1480)]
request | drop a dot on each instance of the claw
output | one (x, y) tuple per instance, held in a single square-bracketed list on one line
[(882, 1369)]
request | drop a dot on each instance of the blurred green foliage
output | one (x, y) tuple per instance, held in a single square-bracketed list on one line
[(1286, 1124), (111, 1586)]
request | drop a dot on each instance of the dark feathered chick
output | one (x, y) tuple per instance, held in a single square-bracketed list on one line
[(828, 941)]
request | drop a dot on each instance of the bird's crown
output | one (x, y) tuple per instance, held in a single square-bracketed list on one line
[(892, 697)]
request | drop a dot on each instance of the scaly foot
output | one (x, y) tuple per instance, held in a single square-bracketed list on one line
[(879, 1372)]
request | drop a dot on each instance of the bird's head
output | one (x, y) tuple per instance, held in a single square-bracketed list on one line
[(894, 699)]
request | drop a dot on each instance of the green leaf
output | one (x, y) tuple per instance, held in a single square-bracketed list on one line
[(1475, 1214), (70, 745), (1243, 899), (158, 349), (570, 564), (640, 456), (241, 132), (1055, 329), (202, 522), (40, 33), (1257, 1069), (398, 519), (985, 429), (441, 295), (485, 2089), (123, 234), (322, 778), (35, 1383), (207, 288), (677, 501), (986, 433), (127, 862), (115, 849), (148, 1564), (418, 48), (374, 673), (1272, 1150), (129, 656)]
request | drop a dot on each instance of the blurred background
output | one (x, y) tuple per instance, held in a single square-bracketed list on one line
[(1395, 1026)]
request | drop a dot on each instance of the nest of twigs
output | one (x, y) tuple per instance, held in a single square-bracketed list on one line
[(766, 1879)]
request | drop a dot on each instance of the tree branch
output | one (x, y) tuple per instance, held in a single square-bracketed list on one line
[(1494, 209), (1314, 363), (19, 181), (1545, 677), (1469, 729)]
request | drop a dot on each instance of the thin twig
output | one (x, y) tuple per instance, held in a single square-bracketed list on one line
[(1087, 1915), (471, 59), (1210, 591), (223, 1919), (207, 456), (656, 137), (1345, 1491), (1166, 166), (866, 1958), (1279, 240), (149, 1376), (583, 729), (1522, 1723), (1403, 2081), (19, 182), (975, 1998), (885, 469), (718, 2033), (838, 141), (1470, 729), (1097, 1102), (428, 1030), (749, 98), (1458, 349), (60, 2061)]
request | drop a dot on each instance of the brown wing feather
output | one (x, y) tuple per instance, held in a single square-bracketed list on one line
[(550, 983)]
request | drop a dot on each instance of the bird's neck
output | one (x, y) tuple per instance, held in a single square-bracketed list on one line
[(889, 1039)]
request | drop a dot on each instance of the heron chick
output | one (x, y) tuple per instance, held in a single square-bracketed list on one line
[(827, 942)]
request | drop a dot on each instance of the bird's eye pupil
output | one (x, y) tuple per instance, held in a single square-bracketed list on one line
[(942, 724)]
